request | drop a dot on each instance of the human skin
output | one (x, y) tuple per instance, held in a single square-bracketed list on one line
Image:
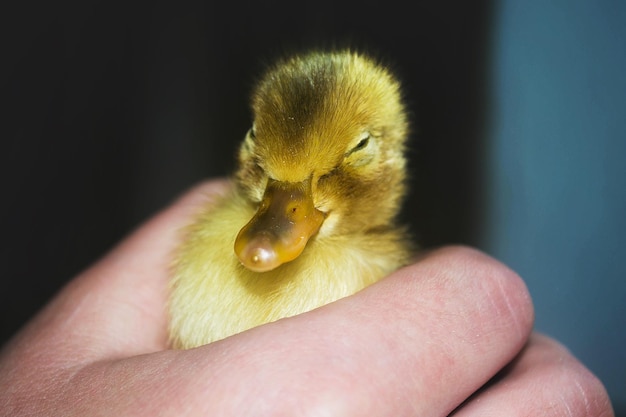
[(421, 342)]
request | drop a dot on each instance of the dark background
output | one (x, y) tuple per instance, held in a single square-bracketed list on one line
[(111, 110)]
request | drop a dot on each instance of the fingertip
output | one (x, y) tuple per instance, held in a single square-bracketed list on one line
[(550, 360), (466, 314), (479, 274), (544, 377)]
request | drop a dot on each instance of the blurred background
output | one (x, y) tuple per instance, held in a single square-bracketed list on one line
[(518, 146)]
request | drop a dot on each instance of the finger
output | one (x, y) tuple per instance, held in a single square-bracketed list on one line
[(544, 380), (117, 307), (416, 343)]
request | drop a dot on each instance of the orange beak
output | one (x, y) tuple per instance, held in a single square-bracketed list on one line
[(281, 228)]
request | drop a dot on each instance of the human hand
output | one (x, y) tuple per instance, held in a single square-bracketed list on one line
[(418, 343)]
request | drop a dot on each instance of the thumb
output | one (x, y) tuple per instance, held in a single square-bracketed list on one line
[(117, 307)]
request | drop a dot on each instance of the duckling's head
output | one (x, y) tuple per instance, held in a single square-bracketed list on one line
[(324, 155)]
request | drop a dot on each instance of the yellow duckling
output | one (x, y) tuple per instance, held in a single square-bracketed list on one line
[(311, 218)]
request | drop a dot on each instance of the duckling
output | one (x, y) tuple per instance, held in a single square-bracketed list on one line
[(311, 216)]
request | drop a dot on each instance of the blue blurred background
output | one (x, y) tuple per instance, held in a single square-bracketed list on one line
[(556, 176), (519, 145)]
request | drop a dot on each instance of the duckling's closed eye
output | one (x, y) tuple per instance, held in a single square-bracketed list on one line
[(362, 143), (363, 152)]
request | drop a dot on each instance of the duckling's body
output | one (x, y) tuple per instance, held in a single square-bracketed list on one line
[(311, 216)]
